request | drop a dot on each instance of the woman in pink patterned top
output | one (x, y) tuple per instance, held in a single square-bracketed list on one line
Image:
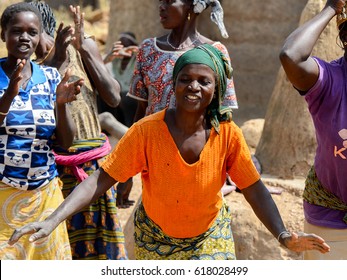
[(152, 81)]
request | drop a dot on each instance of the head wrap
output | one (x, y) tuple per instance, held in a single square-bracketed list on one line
[(48, 19), (216, 13), (217, 61), (130, 36)]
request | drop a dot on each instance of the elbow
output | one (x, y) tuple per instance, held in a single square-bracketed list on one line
[(117, 99), (114, 101), (290, 56), (114, 96), (67, 142), (117, 96), (285, 56)]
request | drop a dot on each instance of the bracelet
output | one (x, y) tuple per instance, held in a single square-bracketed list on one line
[(281, 233), (3, 114)]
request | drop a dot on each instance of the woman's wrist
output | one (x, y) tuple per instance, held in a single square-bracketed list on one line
[(282, 236)]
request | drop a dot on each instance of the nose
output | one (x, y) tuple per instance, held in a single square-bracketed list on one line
[(194, 85), (161, 7), (23, 36)]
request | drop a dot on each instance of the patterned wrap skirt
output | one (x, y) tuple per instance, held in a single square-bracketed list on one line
[(315, 193), (151, 243), (95, 232), (19, 208)]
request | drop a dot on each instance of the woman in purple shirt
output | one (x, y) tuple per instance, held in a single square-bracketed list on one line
[(323, 84)]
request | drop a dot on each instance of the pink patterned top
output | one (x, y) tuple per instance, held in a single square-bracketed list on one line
[(152, 79)]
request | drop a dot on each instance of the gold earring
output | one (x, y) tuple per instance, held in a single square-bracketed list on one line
[(188, 17)]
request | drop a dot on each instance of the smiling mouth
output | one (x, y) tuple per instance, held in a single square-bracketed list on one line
[(192, 97), (24, 48)]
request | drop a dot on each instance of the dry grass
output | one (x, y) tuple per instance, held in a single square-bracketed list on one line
[(96, 22)]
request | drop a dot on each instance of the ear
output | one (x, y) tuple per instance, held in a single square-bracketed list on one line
[(3, 35)]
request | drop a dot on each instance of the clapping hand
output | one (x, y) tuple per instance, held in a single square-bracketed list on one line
[(128, 51), (337, 5), (66, 92), (62, 41), (119, 51), (79, 26), (16, 77)]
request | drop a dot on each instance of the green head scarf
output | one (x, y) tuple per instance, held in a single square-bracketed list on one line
[(217, 61)]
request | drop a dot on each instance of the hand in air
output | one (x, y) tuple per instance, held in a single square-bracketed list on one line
[(16, 77), (79, 26), (63, 40), (67, 91), (128, 51), (119, 51), (337, 5), (114, 52)]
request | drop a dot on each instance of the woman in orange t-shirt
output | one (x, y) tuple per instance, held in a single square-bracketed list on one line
[(183, 155)]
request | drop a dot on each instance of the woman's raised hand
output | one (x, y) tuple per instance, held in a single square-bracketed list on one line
[(67, 91)]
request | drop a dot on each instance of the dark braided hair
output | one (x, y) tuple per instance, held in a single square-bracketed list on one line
[(13, 9), (48, 19)]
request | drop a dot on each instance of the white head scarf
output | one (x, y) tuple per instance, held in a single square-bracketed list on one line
[(216, 13)]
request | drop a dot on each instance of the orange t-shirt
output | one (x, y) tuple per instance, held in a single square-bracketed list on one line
[(183, 199)]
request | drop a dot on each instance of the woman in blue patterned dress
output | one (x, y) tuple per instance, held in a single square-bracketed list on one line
[(34, 114), (94, 232)]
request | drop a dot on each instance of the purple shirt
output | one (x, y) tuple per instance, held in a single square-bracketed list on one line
[(327, 103)]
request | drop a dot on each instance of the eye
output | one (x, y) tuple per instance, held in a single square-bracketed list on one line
[(15, 31), (205, 82), (184, 79), (34, 32), (165, 2)]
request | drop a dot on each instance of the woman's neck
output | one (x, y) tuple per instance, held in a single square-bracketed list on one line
[(189, 122), (183, 36)]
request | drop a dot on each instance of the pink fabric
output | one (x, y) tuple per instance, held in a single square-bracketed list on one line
[(75, 160)]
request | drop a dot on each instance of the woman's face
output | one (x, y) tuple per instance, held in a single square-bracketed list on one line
[(173, 13), (195, 87), (22, 35)]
